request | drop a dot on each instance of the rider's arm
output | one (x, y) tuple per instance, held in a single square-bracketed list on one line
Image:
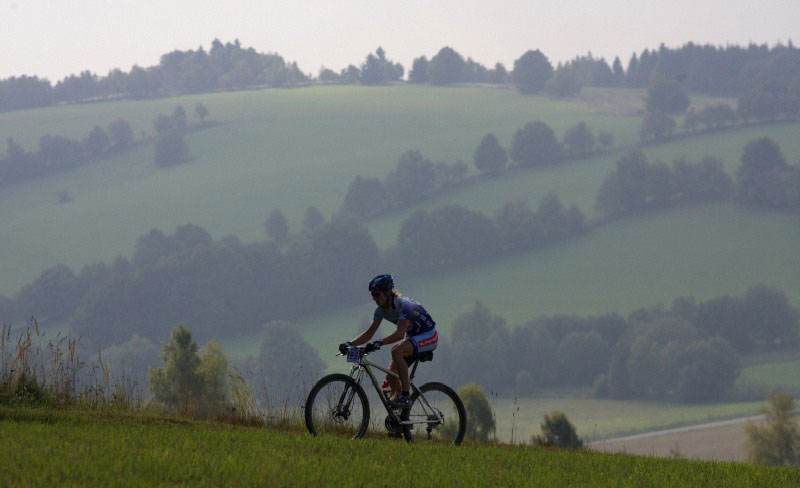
[(399, 334), (365, 336)]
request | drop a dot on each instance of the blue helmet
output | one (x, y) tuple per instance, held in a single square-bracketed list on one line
[(383, 282)]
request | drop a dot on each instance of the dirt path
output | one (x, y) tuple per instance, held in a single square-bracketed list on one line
[(723, 440)]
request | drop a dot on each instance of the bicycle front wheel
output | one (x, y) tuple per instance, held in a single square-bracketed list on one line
[(436, 415), (337, 405)]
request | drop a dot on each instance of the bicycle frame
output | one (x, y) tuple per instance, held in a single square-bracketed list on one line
[(357, 373)]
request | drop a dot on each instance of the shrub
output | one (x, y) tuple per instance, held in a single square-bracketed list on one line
[(777, 442), (558, 431), (480, 420)]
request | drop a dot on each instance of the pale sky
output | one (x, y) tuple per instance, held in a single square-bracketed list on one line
[(55, 38)]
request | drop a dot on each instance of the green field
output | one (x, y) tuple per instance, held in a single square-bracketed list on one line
[(274, 149), (777, 375), (51, 447), (288, 149)]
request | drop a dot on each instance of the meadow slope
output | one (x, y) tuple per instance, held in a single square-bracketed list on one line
[(281, 149), (43, 447)]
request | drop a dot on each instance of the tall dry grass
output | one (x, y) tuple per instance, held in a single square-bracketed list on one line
[(38, 370)]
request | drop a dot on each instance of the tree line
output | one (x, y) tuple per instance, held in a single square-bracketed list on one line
[(416, 178), (56, 154), (226, 66), (764, 180), (690, 351), (187, 277), (769, 99), (728, 71)]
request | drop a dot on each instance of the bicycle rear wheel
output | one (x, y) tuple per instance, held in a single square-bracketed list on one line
[(337, 405), (437, 415)]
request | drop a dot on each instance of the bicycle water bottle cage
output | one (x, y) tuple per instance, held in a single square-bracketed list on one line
[(353, 354)]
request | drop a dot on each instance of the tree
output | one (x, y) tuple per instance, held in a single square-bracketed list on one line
[(725, 317), (189, 236), (704, 181), (709, 370), (277, 227), (499, 74), (767, 98), (179, 116), (778, 441), (197, 384), (657, 126), (365, 197), (563, 84), (171, 148), (121, 134), (152, 247), (759, 180), (582, 357), (774, 322), (558, 431), (480, 420), (59, 153), (178, 384), (446, 67), (444, 237), (535, 145), (450, 174), (96, 142), (287, 363), (490, 157), (419, 70), (377, 70), (52, 296), (579, 139), (413, 177), (312, 219), (518, 226), (531, 72), (625, 189), (666, 96)]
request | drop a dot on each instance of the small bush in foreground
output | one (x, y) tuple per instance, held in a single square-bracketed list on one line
[(558, 431), (778, 441)]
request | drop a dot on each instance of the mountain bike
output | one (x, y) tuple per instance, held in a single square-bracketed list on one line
[(338, 405)]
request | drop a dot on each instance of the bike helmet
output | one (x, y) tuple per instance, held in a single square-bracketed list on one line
[(383, 282)]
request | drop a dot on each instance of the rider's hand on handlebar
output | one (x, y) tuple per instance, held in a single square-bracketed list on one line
[(344, 346), (373, 346)]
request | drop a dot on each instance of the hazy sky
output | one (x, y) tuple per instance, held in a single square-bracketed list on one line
[(54, 38)]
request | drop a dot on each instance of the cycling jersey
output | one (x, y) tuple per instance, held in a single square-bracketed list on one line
[(409, 309)]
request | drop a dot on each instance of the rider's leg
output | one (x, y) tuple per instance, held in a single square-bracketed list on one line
[(399, 352), (393, 381)]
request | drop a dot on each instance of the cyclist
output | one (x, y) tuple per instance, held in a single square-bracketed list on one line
[(415, 334)]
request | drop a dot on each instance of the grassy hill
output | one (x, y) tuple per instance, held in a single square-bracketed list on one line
[(43, 447), (282, 149)]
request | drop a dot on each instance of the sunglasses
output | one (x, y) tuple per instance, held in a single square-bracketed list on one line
[(376, 293)]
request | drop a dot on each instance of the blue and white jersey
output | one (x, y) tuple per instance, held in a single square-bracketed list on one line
[(410, 309)]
